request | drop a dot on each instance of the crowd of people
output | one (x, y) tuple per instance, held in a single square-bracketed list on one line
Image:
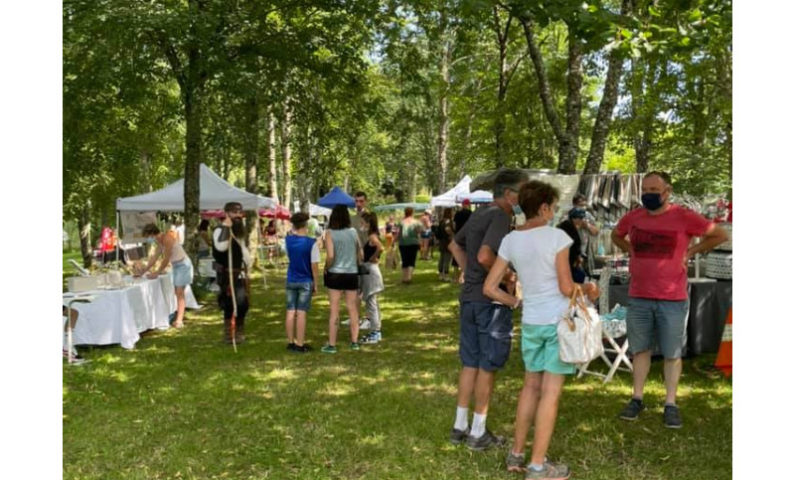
[(506, 255)]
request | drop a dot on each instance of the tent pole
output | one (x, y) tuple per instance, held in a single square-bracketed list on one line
[(118, 238)]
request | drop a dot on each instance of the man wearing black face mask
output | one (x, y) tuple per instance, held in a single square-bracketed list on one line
[(232, 226), (657, 238)]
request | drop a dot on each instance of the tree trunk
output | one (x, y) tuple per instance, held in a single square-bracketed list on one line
[(84, 227), (502, 86), (192, 162), (570, 147), (444, 119), (645, 98), (604, 116), (286, 154), (145, 170), (566, 148), (251, 143), (274, 192)]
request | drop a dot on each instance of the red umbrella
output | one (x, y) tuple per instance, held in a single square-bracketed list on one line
[(279, 212), (208, 214)]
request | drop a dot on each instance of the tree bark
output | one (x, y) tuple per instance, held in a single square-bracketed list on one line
[(502, 86), (604, 116), (84, 227), (444, 118), (570, 147), (145, 170), (645, 98), (192, 162), (543, 82), (272, 186), (568, 139), (251, 154), (286, 154)]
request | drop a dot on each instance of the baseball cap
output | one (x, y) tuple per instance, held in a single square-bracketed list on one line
[(576, 213)]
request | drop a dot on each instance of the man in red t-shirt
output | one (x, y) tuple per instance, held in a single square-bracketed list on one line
[(657, 238)]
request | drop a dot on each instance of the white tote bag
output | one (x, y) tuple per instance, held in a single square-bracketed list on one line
[(580, 331)]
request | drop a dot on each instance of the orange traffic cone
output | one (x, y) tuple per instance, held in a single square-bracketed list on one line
[(724, 360)]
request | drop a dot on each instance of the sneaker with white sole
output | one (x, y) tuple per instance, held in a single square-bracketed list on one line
[(551, 471), (485, 441), (365, 324), (76, 359), (371, 338)]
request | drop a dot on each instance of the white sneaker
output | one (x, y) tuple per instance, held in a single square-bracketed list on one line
[(365, 324), (347, 321)]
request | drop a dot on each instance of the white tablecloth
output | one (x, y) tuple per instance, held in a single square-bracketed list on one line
[(118, 316)]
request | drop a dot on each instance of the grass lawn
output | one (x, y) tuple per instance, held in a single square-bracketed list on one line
[(182, 405)]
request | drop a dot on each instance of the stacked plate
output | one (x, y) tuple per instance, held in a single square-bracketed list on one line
[(719, 265)]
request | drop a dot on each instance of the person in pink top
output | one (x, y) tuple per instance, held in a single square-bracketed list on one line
[(657, 238)]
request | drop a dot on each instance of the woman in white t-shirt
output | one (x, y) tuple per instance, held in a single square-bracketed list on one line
[(540, 255)]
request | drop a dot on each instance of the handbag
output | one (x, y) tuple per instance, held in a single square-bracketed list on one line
[(580, 331)]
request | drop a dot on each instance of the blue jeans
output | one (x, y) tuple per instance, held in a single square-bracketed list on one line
[(299, 296), (667, 317)]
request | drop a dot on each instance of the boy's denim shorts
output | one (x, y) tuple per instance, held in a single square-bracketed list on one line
[(666, 317), (299, 296), (485, 340)]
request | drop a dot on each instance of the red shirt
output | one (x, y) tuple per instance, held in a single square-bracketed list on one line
[(659, 244)]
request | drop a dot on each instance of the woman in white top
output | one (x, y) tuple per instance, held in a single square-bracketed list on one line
[(181, 267), (540, 255)]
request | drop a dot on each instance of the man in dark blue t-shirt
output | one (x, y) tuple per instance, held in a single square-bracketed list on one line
[(302, 275)]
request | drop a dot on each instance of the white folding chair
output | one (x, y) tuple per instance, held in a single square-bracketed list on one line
[(82, 271), (70, 301), (621, 357)]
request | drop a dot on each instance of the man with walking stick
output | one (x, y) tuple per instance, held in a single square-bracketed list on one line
[(233, 296)]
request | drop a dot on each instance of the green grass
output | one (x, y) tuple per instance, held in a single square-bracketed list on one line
[(184, 405)]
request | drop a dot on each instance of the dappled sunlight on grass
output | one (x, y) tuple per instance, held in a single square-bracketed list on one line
[(184, 405)]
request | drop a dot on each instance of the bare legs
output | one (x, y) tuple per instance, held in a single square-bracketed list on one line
[(538, 401), (478, 382), (352, 302), (180, 293), (672, 370), (295, 322)]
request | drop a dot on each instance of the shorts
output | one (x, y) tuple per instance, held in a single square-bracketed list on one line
[(408, 255), (540, 350), (667, 317), (426, 234), (299, 296), (182, 272), (485, 339), (341, 281)]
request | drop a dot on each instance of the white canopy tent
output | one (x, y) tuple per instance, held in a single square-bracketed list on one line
[(214, 192), (316, 210), (448, 198), (478, 196)]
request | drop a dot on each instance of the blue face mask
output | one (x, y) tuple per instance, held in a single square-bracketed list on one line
[(651, 201), (150, 240), (519, 215)]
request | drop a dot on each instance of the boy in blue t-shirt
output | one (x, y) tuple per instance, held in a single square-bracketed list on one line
[(302, 275)]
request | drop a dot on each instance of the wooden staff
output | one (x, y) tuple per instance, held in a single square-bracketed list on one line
[(232, 326)]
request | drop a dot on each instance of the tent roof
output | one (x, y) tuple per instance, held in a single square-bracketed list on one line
[(448, 198), (478, 196), (336, 197), (418, 207), (214, 192)]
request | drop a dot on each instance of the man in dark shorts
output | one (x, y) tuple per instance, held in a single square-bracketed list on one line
[(475, 248)]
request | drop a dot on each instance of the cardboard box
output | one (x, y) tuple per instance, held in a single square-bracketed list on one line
[(82, 284)]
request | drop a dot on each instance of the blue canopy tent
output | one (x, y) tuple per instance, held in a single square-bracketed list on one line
[(336, 197)]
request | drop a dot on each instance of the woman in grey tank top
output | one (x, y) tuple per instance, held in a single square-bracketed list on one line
[(343, 254)]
